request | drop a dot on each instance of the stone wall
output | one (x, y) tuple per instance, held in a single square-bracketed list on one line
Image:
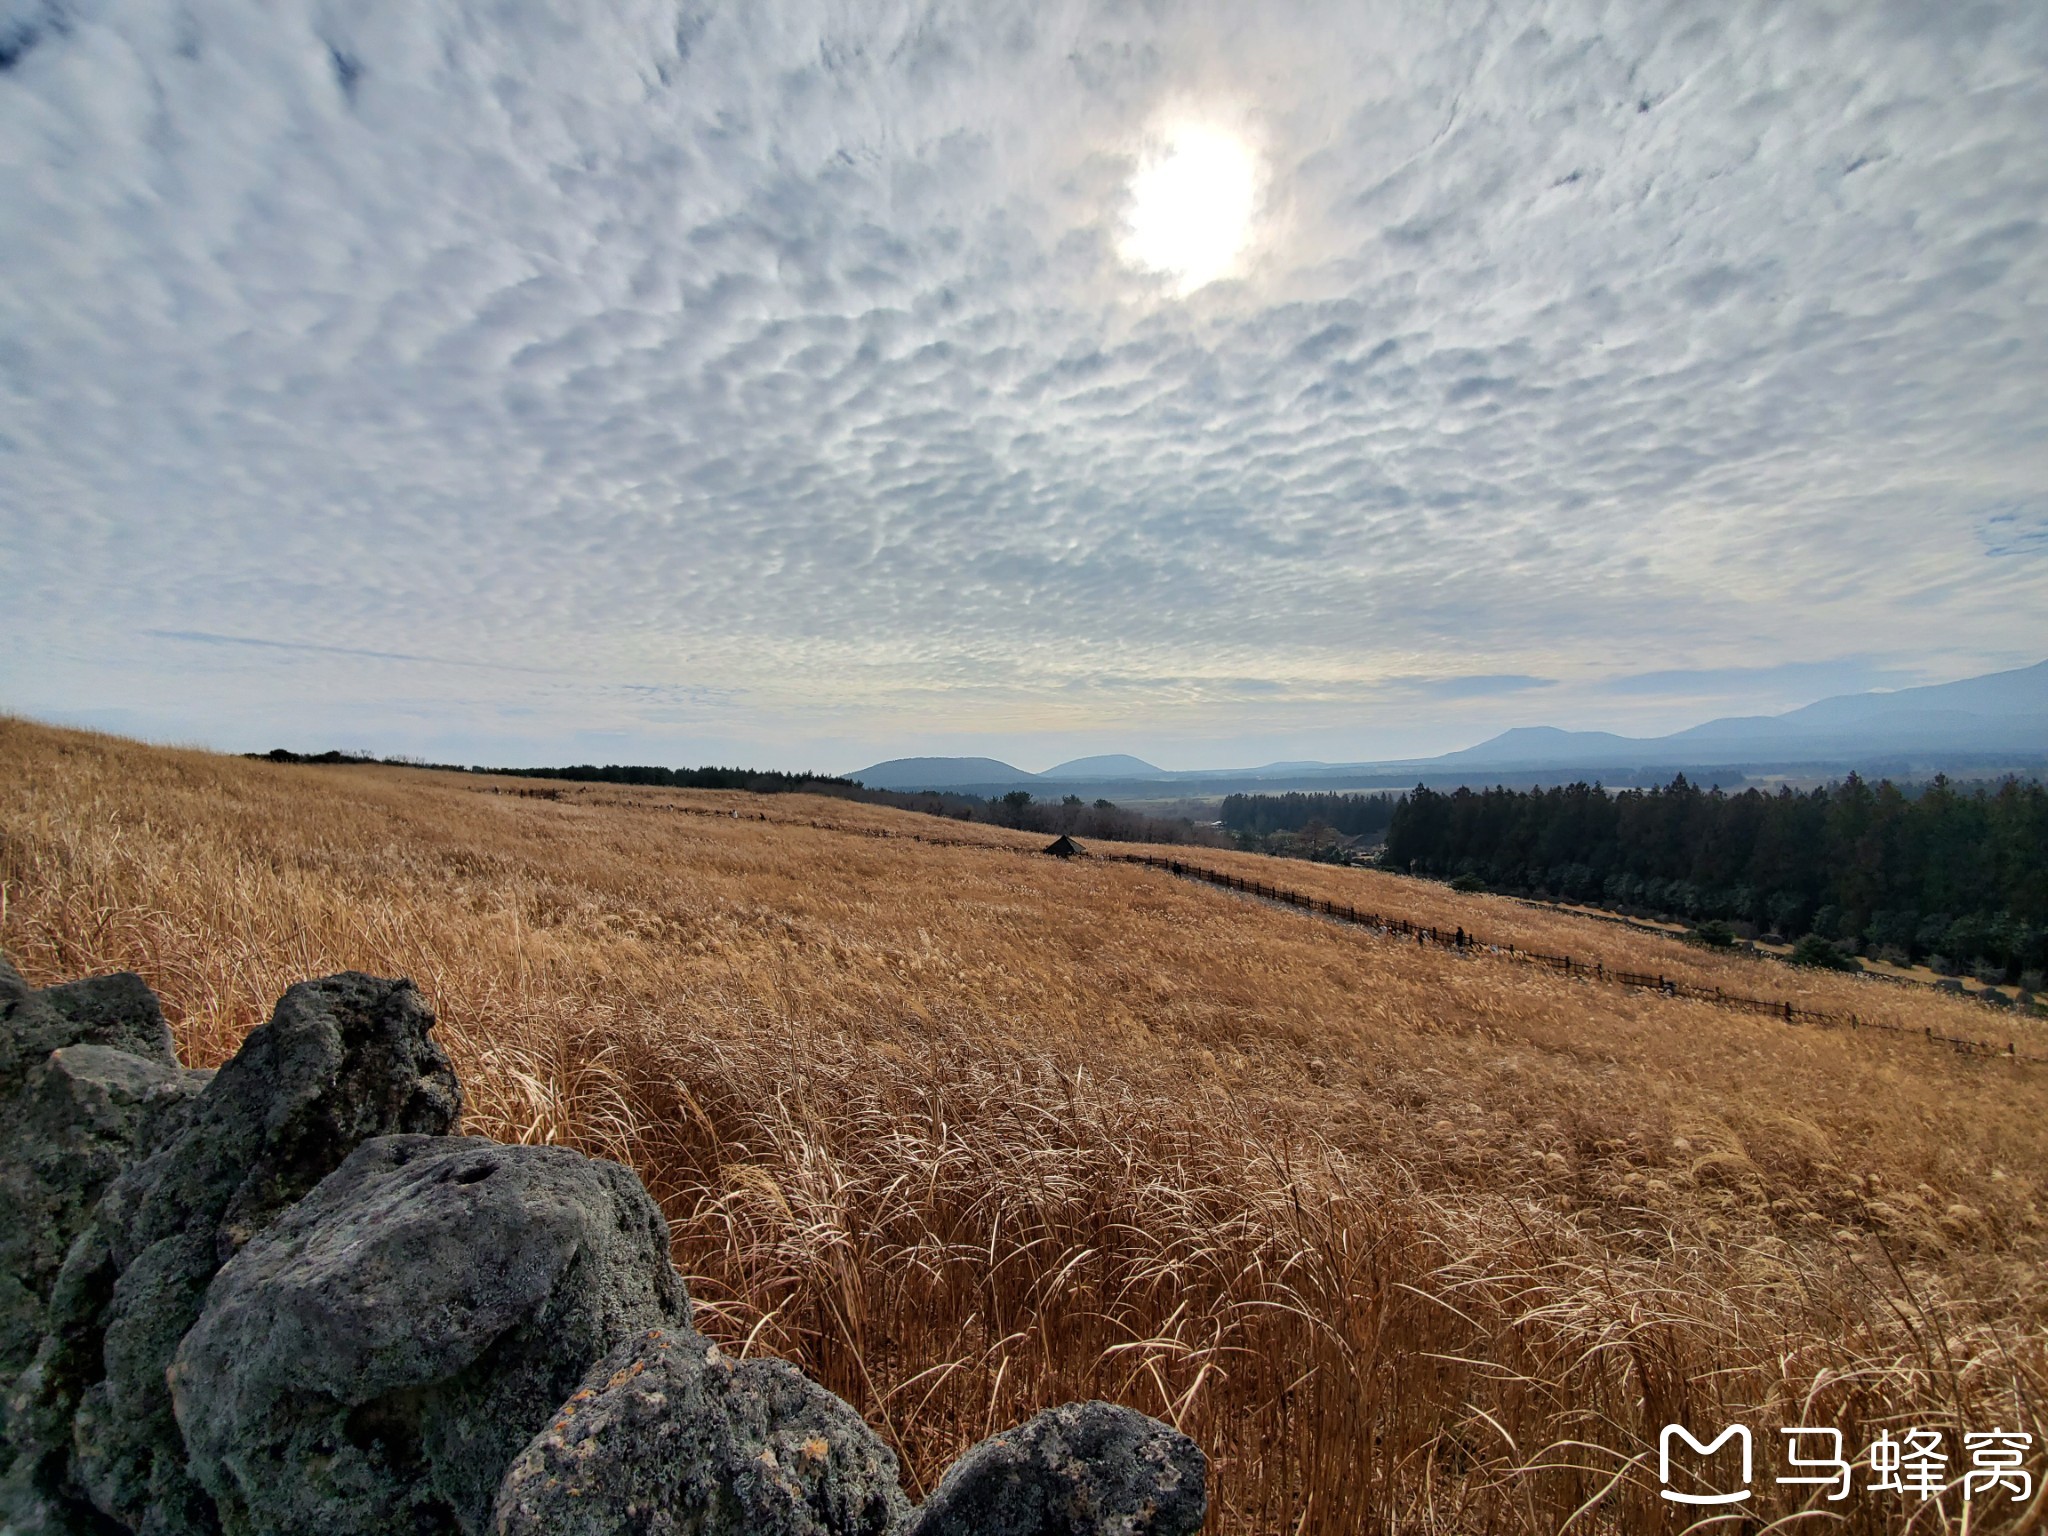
[(288, 1297)]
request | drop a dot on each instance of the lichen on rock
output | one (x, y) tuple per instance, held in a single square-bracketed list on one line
[(669, 1434)]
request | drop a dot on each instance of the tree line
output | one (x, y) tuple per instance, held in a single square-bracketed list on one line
[(1072, 816), (760, 781), (1953, 876), (1348, 815)]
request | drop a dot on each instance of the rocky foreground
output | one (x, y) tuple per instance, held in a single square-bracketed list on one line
[(285, 1297)]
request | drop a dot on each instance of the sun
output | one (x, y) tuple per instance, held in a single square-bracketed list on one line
[(1192, 202)]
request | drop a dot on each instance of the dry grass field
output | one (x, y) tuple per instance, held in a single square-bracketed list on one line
[(1408, 1240)]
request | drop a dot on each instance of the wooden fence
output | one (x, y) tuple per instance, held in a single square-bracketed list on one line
[(1592, 970)]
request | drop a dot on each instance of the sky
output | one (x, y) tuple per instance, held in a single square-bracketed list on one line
[(800, 385)]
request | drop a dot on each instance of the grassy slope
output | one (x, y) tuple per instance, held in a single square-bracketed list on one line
[(1408, 1240)]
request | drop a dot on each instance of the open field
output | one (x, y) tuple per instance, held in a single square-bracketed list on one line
[(1918, 975), (1407, 1240), (1629, 944)]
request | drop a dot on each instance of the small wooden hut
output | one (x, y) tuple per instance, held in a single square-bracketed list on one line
[(1063, 847)]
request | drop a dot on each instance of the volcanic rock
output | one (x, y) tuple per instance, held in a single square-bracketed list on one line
[(373, 1360), (668, 1434), (118, 1011), (341, 1060), (78, 1119), (1082, 1469)]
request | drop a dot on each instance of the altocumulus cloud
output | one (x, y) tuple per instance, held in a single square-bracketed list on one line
[(768, 374)]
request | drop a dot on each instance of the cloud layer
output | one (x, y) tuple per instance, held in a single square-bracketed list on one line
[(765, 378)]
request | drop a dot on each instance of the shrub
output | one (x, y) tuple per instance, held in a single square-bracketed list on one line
[(1932, 932), (1714, 935), (1468, 883), (1816, 951), (1786, 910)]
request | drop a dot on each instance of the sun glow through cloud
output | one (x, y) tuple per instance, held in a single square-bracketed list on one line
[(1191, 206)]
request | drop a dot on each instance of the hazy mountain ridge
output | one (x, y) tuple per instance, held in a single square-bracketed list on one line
[(1999, 712), (1111, 765)]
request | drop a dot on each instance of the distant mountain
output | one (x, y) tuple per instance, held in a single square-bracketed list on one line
[(2020, 692), (1541, 744), (1114, 765), (915, 773), (1999, 712), (1947, 725)]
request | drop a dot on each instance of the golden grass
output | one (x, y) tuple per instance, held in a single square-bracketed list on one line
[(1407, 1240)]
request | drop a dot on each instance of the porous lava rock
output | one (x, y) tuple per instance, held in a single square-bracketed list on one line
[(670, 1436), (341, 1060), (372, 1360), (68, 1126), (118, 1011), (89, 1081), (1082, 1469), (79, 1117)]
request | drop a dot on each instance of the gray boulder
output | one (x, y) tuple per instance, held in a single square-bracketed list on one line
[(79, 1117), (670, 1435), (341, 1060), (373, 1360), (88, 1082), (1082, 1469), (118, 1011)]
